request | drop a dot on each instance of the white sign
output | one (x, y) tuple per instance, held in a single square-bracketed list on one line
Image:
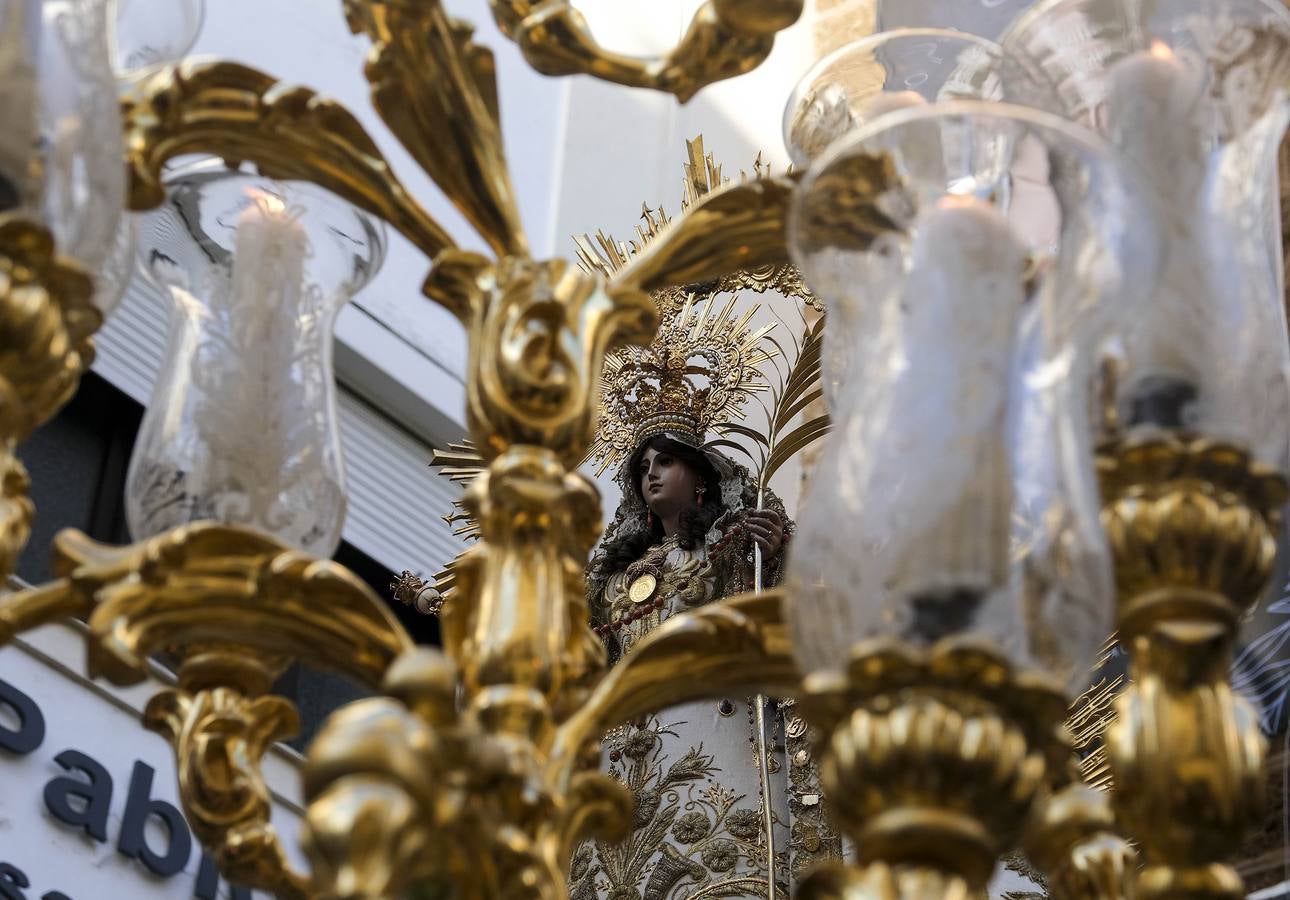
[(88, 798)]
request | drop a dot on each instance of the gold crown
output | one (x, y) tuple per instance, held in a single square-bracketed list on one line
[(695, 377)]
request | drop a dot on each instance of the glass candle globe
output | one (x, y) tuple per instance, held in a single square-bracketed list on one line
[(956, 495), (861, 81), (242, 424), (1195, 97), (882, 72), (148, 35), (82, 185)]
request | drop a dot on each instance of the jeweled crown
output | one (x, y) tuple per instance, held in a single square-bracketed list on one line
[(694, 378)]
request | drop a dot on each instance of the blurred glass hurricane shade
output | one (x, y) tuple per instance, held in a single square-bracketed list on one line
[(882, 72), (866, 79), (60, 148), (1195, 97), (147, 35), (956, 496), (242, 425)]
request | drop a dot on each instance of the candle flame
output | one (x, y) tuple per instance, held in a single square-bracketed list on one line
[(959, 201), (1160, 50), (270, 203)]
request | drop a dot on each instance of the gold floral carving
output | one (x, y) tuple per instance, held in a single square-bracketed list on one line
[(46, 324), (1073, 839), (220, 735), (725, 38), (517, 791), (1191, 523), (406, 770), (16, 510), (240, 114)]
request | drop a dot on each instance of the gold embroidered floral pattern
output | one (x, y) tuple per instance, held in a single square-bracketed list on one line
[(693, 836)]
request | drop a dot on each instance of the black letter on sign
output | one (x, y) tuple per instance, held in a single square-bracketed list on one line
[(55, 895), (12, 880), (208, 883), (97, 794), (138, 807), (31, 724)]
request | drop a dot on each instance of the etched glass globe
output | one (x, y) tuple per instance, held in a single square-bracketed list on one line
[(242, 425), (956, 495)]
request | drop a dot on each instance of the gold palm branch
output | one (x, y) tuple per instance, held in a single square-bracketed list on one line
[(794, 389)]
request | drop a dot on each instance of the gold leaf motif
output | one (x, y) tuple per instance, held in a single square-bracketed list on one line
[(437, 90)]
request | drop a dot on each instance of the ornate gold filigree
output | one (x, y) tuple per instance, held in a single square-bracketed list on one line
[(239, 113), (1192, 527), (220, 736), (46, 324), (725, 38), (539, 333), (517, 805), (16, 508), (938, 756)]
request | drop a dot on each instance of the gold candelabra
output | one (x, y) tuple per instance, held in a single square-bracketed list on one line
[(475, 772)]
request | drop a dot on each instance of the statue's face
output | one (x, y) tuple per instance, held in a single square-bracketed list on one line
[(667, 484)]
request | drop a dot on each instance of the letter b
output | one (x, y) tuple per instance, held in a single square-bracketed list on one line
[(139, 806)]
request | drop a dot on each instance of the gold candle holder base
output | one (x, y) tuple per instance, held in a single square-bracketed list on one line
[(1192, 525), (932, 760)]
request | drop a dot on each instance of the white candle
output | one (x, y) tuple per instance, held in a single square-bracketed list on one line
[(1152, 102), (255, 353), (949, 409), (269, 247)]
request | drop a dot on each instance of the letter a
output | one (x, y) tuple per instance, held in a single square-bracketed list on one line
[(95, 796)]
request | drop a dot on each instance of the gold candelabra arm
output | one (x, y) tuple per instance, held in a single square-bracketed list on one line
[(732, 229), (437, 90), (238, 113), (1192, 525), (206, 583), (725, 38), (236, 608)]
